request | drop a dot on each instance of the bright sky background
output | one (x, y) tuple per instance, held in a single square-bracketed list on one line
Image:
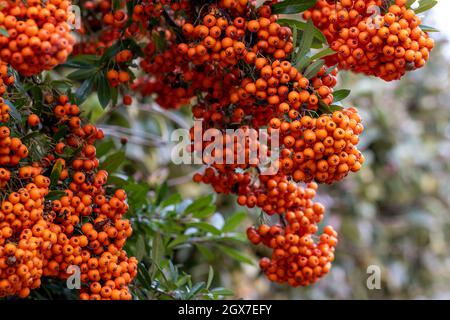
[(439, 17)]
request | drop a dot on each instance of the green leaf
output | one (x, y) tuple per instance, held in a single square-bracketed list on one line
[(69, 152), (181, 281), (206, 252), (13, 111), (426, 28), (317, 44), (196, 289), (174, 274), (116, 4), (104, 148), (236, 255), (222, 291), (55, 194), (159, 40), (36, 93), (205, 227), (199, 204), (302, 63), (114, 161), (56, 173), (235, 237), (324, 108), (4, 32), (294, 36), (134, 47), (144, 275), (336, 107), (82, 62), (210, 277), (84, 91), (140, 248), (307, 39), (234, 221), (340, 95), (174, 198), (62, 85), (114, 95), (330, 70), (161, 193), (313, 69), (103, 89), (111, 52), (302, 26), (157, 251), (292, 6), (322, 54), (61, 133), (425, 5), (180, 239), (137, 193), (83, 74), (409, 3), (130, 6), (117, 181), (204, 212)]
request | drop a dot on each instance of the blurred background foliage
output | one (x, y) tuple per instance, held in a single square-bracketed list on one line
[(393, 214)]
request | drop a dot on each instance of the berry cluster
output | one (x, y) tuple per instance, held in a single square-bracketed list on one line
[(41, 236), (98, 250), (21, 261), (21, 212), (239, 71), (385, 46), (321, 149), (168, 77), (296, 258), (38, 34), (235, 63), (12, 150), (84, 227)]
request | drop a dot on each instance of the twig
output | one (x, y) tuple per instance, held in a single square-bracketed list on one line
[(153, 108)]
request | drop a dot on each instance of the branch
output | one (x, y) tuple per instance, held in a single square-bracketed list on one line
[(165, 113)]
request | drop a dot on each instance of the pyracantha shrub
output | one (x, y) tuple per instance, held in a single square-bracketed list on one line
[(238, 66)]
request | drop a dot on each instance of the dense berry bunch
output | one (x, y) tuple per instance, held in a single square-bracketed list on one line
[(84, 227), (296, 258), (277, 96), (166, 79), (238, 71), (25, 237), (93, 21), (21, 211), (386, 46), (98, 250), (321, 149), (38, 34), (237, 66)]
